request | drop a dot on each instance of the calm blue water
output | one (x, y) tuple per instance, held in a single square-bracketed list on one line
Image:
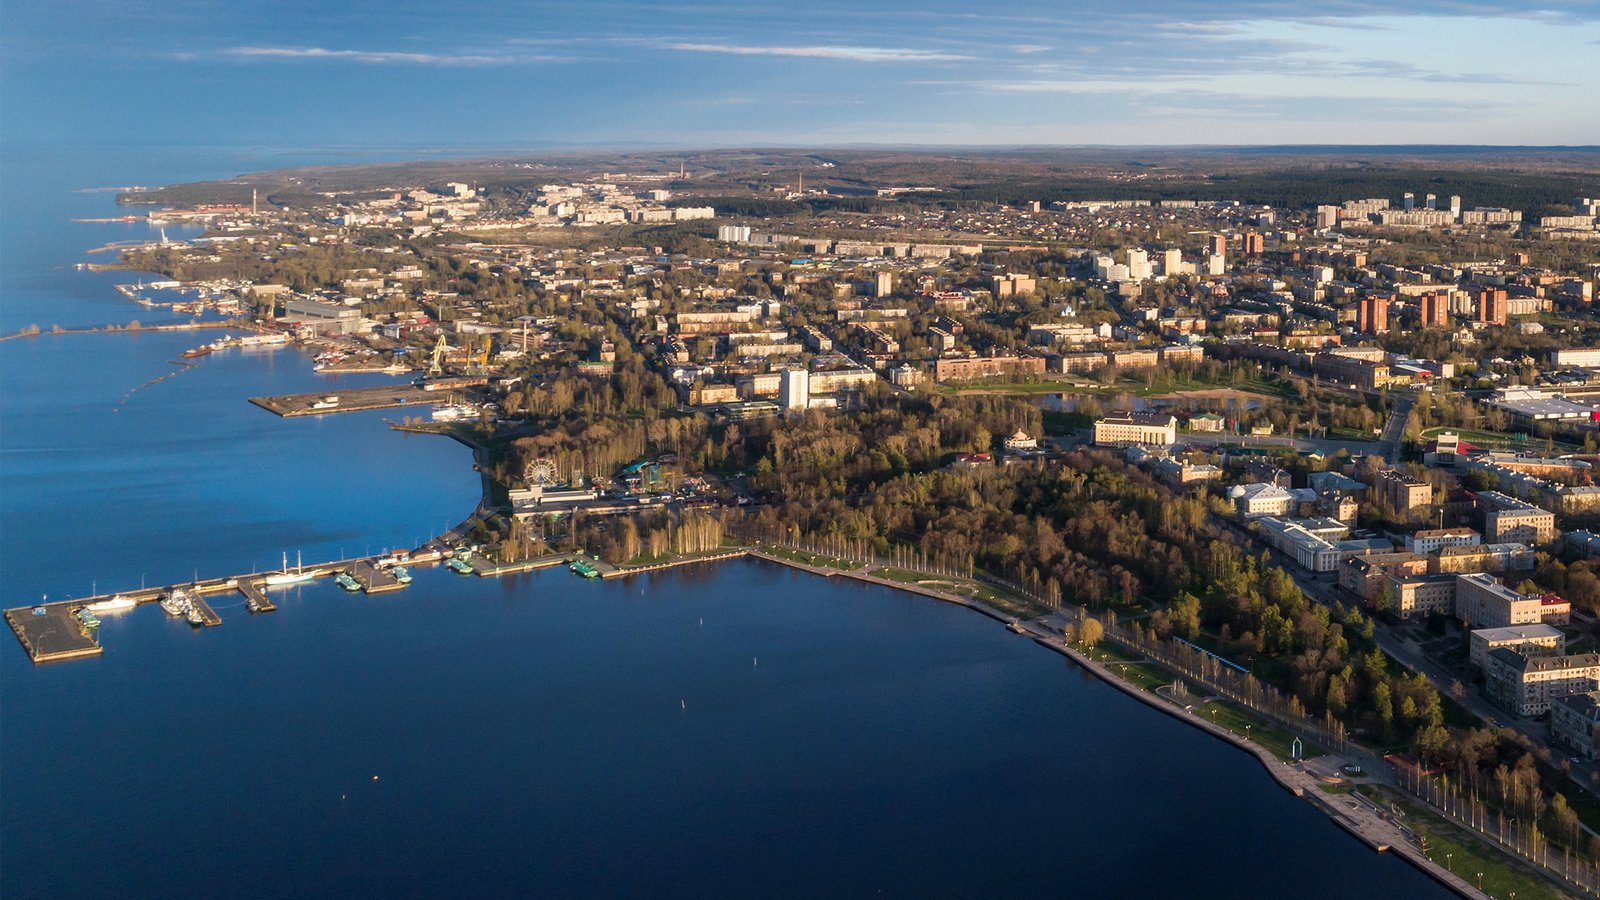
[(728, 730)]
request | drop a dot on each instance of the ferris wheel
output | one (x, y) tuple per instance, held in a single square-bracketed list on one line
[(541, 471)]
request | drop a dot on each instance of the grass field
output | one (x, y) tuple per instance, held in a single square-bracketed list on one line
[(1257, 729), (1466, 855)]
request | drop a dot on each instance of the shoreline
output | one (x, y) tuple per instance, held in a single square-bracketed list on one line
[(1280, 771)]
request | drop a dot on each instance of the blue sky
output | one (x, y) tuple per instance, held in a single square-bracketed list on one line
[(482, 73)]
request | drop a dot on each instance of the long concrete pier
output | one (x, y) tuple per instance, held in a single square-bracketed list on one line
[(53, 631), (325, 403)]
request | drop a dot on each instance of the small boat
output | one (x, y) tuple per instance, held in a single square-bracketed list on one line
[(177, 602), (346, 582), (460, 565), (89, 620), (197, 351), (195, 617), (579, 567), (117, 603), (328, 402), (401, 574)]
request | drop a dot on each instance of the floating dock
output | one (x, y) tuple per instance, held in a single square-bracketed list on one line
[(326, 403), (257, 600), (372, 579)]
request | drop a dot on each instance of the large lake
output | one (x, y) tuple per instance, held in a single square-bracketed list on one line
[(736, 729)]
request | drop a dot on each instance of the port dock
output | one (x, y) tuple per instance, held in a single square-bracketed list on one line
[(52, 632), (255, 598), (209, 616), (373, 580), (340, 401)]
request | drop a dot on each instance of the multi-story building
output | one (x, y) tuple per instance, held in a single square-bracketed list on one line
[(1435, 307), (794, 390), (1363, 576), (1527, 639), (1347, 369), (1432, 540), (1575, 724), (1372, 314), (967, 368), (1496, 558), (1492, 306), (1418, 595), (1509, 520), (1310, 547), (1526, 685), (1262, 499), (1121, 429), (1404, 495), (1581, 357), (1483, 602)]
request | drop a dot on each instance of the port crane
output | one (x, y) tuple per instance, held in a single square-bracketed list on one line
[(436, 362)]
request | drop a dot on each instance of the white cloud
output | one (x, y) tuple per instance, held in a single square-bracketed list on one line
[(382, 57), (852, 54)]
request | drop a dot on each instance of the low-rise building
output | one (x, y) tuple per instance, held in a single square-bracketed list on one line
[(1262, 499), (1527, 639), (1526, 685)]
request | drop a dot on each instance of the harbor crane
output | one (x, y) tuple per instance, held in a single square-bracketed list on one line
[(436, 362)]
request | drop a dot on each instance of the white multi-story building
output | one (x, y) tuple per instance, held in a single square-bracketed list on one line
[(794, 390)]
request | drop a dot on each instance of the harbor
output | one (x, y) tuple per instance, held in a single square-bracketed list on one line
[(324, 403), (69, 629)]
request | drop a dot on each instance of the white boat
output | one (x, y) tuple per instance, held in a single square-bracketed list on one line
[(328, 402), (177, 602), (263, 340), (117, 603), (454, 413), (286, 577)]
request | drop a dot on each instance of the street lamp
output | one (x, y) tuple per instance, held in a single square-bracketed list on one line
[(1447, 862), (1480, 881)]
